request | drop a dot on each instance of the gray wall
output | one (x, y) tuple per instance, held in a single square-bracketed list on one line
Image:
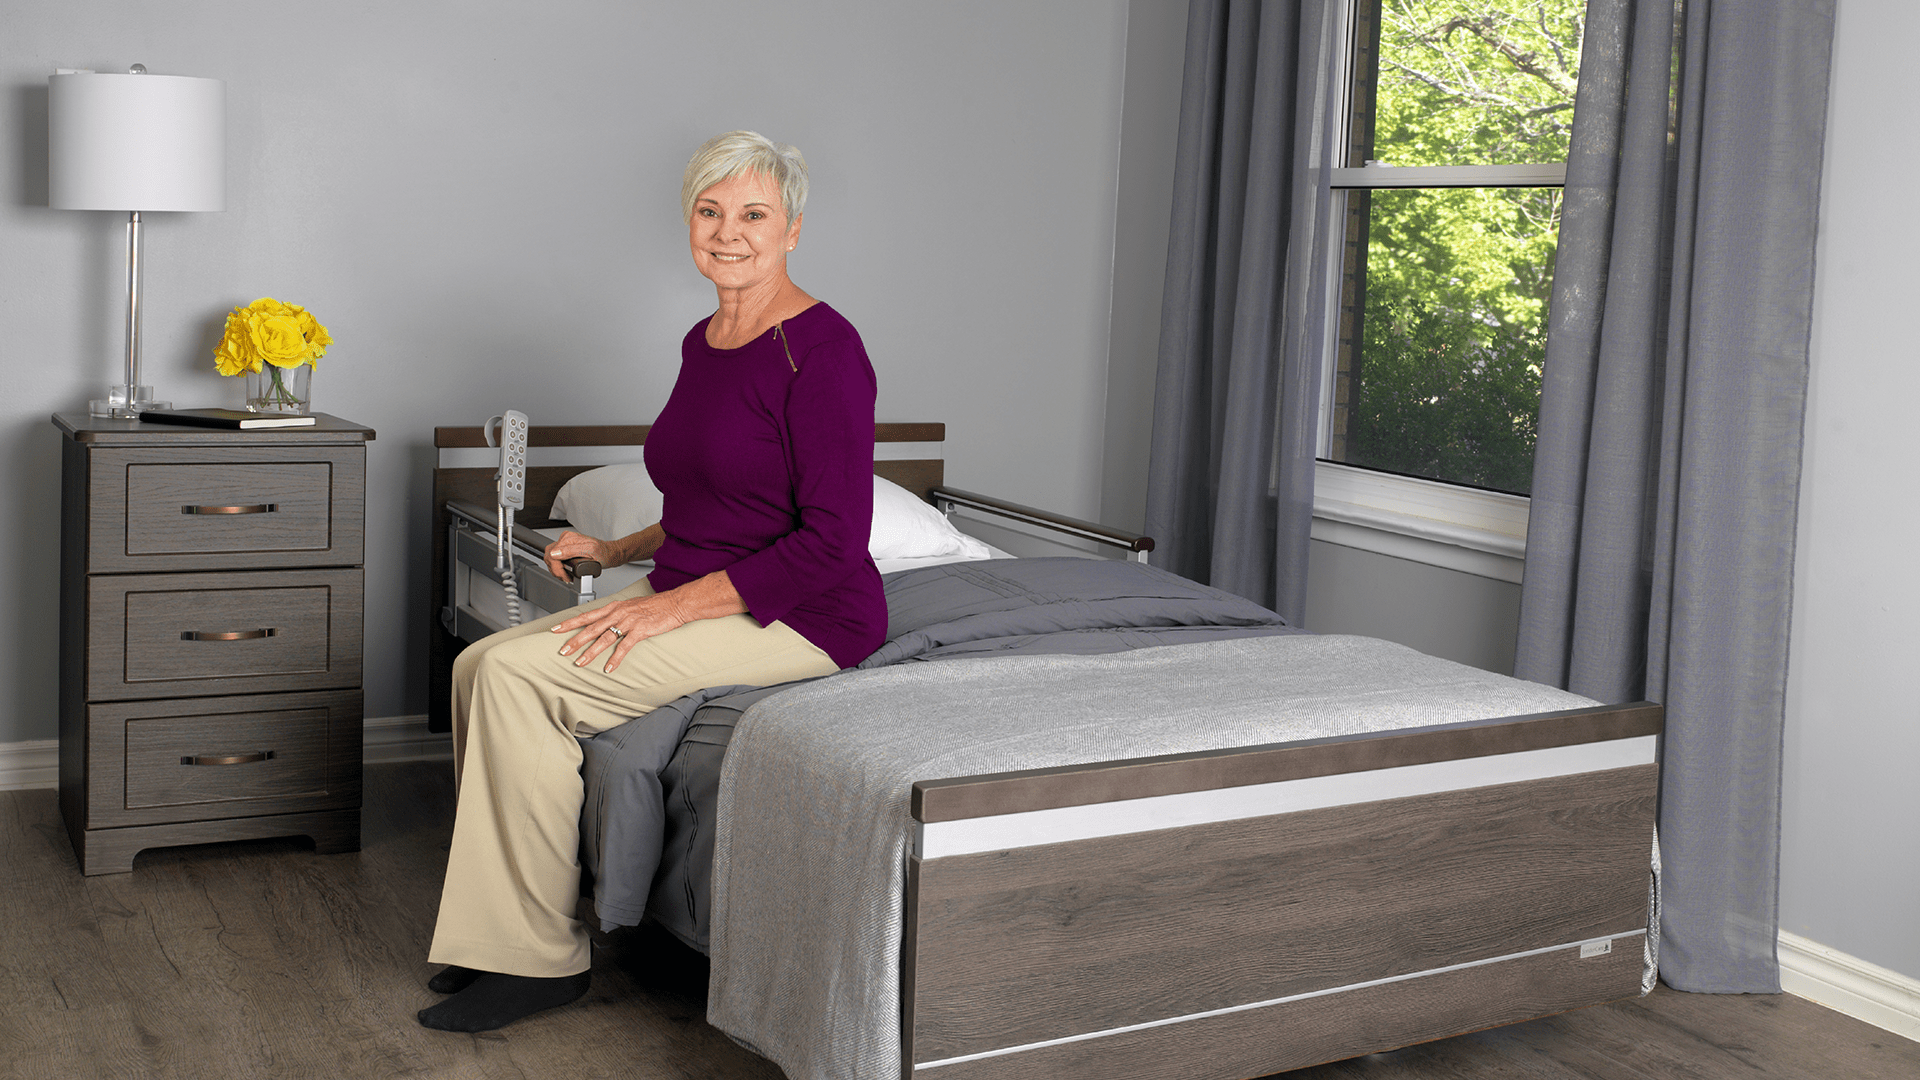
[(1850, 875), (1150, 129), (1443, 612), (480, 199)]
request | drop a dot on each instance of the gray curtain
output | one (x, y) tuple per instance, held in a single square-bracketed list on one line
[(1230, 479), (1666, 480)]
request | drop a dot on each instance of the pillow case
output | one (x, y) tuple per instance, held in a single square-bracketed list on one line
[(609, 502), (619, 500), (907, 527)]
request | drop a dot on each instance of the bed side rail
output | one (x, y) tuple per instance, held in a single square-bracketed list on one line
[(470, 546), (946, 499), (523, 539)]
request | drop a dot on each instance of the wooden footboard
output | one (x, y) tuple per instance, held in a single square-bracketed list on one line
[(1312, 901)]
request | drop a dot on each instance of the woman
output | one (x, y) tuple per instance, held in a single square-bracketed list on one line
[(764, 454)]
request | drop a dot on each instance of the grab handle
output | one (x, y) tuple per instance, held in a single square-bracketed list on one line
[(229, 635), (228, 759), (251, 508)]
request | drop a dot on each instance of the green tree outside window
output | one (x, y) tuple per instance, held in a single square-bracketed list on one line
[(1447, 313)]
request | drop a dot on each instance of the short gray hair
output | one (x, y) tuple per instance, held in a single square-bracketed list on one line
[(724, 157)]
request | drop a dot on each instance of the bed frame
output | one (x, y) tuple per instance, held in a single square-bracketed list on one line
[(1317, 900)]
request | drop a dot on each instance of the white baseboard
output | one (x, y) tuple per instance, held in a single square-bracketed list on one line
[(1848, 984), (25, 766)]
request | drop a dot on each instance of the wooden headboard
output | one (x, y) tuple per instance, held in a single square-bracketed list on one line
[(918, 475)]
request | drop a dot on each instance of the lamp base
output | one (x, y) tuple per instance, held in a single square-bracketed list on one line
[(126, 402)]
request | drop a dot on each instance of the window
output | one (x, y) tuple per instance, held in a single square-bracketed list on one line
[(1459, 113)]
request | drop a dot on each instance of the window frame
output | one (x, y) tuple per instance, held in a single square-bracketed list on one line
[(1435, 522)]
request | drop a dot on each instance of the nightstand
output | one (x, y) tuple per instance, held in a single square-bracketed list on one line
[(211, 586)]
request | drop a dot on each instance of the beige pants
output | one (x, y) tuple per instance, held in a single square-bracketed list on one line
[(513, 874)]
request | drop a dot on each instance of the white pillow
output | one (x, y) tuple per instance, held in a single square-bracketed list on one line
[(609, 502), (906, 527), (619, 500)]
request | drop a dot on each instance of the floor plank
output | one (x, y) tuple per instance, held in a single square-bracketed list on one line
[(262, 958)]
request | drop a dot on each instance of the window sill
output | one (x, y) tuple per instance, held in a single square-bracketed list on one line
[(1475, 532)]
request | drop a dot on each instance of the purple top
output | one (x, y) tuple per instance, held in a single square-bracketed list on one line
[(766, 470)]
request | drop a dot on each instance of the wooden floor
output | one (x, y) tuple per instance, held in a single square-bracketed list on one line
[(263, 959)]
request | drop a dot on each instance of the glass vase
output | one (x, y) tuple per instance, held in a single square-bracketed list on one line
[(288, 391)]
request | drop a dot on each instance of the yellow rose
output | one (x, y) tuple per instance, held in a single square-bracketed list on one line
[(317, 337), (266, 305), (277, 339), (234, 355)]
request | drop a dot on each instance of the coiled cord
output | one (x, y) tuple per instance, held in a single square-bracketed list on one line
[(503, 563), (512, 589)]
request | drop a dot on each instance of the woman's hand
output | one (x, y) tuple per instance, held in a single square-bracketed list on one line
[(624, 623), (573, 545), (619, 626), (608, 553)]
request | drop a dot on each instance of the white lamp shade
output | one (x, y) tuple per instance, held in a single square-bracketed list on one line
[(136, 142)]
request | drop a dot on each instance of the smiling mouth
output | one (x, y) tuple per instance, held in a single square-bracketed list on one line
[(730, 258)]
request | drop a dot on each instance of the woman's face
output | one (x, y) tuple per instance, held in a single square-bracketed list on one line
[(739, 233)]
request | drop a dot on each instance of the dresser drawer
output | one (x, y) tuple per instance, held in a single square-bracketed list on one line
[(215, 507), (166, 635), (177, 761), (161, 761)]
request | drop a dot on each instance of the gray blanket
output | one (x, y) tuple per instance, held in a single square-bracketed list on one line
[(1033, 607), (652, 784), (810, 855)]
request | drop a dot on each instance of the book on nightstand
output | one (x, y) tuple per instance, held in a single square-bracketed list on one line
[(232, 419)]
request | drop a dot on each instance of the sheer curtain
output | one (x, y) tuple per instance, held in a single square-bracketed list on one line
[(1666, 481), (1230, 479)]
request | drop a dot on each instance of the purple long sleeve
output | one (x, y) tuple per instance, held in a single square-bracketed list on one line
[(767, 473)]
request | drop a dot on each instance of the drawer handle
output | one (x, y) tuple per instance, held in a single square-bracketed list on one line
[(229, 635), (255, 508), (228, 759)]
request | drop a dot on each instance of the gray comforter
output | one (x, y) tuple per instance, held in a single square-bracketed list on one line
[(647, 828)]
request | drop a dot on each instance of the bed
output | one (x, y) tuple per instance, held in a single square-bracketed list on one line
[(1018, 890)]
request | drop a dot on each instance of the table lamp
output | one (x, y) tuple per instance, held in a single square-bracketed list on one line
[(138, 143)]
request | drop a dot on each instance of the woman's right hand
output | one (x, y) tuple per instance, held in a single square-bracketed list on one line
[(573, 545)]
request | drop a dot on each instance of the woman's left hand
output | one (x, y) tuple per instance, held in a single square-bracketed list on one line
[(619, 626)]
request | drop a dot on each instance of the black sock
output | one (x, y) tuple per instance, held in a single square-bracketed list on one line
[(495, 1000), (452, 979)]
